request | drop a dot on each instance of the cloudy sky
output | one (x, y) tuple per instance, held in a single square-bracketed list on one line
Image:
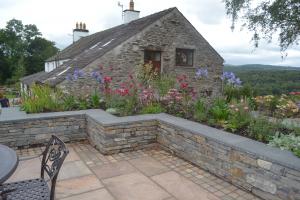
[(56, 19)]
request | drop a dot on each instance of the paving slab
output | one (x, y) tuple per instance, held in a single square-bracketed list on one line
[(134, 186), (182, 188), (28, 169), (101, 194), (78, 185), (73, 170), (113, 169), (149, 166)]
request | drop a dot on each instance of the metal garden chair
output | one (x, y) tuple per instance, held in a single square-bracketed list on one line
[(37, 189)]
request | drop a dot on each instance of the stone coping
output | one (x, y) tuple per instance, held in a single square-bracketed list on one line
[(243, 144)]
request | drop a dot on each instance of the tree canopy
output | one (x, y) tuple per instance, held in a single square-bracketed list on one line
[(23, 51), (267, 18)]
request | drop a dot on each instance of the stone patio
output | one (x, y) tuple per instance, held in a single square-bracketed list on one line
[(140, 175)]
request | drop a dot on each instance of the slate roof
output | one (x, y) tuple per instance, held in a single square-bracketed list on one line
[(30, 79), (89, 48)]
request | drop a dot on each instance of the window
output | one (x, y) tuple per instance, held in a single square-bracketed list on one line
[(152, 56), (184, 57)]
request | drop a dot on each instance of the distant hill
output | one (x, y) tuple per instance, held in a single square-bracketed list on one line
[(228, 67), (268, 79)]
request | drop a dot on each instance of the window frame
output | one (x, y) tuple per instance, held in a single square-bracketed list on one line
[(192, 51)]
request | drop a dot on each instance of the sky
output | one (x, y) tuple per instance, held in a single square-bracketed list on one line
[(57, 18)]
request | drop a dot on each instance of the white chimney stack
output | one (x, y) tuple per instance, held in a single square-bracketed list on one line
[(131, 14), (80, 31)]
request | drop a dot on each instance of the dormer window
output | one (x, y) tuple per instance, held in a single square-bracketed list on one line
[(184, 57)]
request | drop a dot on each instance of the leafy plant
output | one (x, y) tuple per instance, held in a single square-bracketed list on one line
[(152, 109), (286, 142), (163, 84), (70, 103), (201, 111), (95, 100), (219, 111), (261, 129), (239, 118), (42, 98)]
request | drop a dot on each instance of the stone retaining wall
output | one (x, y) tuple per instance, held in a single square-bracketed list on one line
[(268, 172), (20, 133), (265, 179), (109, 139)]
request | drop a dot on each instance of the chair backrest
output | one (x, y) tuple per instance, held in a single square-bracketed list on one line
[(53, 158)]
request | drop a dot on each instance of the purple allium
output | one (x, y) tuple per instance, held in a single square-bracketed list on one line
[(201, 72)]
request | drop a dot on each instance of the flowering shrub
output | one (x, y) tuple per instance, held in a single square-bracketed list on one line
[(281, 106), (147, 97), (239, 118), (147, 73), (286, 107)]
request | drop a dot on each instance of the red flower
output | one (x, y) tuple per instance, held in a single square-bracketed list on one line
[(107, 79), (122, 91), (100, 67), (184, 85)]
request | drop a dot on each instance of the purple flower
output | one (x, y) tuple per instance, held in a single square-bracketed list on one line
[(230, 78), (201, 72), (69, 77), (97, 75), (77, 74)]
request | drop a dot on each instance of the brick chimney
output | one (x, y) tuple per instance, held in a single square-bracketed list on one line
[(80, 31), (131, 14)]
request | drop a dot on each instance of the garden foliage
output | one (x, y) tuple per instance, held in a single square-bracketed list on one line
[(147, 93)]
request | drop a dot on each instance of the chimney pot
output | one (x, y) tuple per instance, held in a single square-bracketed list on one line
[(77, 25), (84, 26), (131, 5), (80, 26)]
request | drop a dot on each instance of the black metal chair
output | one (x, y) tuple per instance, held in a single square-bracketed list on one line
[(37, 189)]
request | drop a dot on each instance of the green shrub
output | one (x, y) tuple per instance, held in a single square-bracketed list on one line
[(152, 109), (163, 84), (83, 103), (70, 103), (201, 111), (95, 100), (261, 129), (42, 98), (237, 93), (219, 111), (286, 142)]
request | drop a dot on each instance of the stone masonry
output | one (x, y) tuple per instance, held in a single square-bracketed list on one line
[(170, 32), (267, 172)]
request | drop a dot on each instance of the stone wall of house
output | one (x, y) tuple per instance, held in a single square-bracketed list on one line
[(26, 132), (170, 32), (109, 139)]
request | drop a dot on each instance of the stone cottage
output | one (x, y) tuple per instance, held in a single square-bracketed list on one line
[(166, 38)]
